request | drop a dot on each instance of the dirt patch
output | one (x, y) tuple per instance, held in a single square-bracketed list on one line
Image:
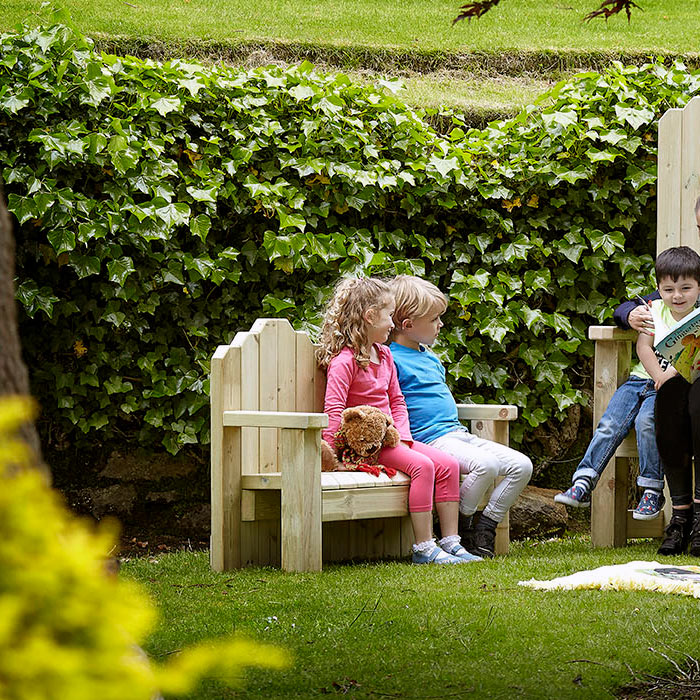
[(132, 545)]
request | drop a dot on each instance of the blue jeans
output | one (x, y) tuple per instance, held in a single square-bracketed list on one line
[(632, 404)]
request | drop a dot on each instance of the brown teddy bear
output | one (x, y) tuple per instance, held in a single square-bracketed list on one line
[(363, 432), (329, 460)]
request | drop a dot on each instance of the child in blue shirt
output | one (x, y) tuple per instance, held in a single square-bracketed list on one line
[(432, 413)]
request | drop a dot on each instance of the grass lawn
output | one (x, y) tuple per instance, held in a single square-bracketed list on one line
[(397, 630), (515, 25)]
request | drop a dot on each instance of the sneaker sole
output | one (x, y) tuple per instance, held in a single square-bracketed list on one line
[(561, 498), (644, 516)]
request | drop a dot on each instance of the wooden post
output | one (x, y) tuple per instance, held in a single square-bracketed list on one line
[(497, 431), (609, 498), (300, 451), (225, 551)]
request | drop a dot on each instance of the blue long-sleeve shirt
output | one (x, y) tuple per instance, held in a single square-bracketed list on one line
[(622, 312), (432, 411)]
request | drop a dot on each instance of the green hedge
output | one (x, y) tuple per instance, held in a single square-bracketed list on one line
[(163, 207)]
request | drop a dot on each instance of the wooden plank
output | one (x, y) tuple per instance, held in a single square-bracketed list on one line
[(305, 374), (320, 389), (249, 397), (354, 504), (275, 419), (388, 541), (690, 175), (225, 462), (261, 482), (407, 536), (260, 505), (286, 366), (286, 375), (469, 411), (301, 500), (266, 330), (668, 200), (644, 528), (610, 333), (609, 498)]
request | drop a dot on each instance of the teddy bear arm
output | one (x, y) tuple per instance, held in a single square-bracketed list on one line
[(392, 437)]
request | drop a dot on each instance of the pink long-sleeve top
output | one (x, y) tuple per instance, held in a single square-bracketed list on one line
[(347, 385)]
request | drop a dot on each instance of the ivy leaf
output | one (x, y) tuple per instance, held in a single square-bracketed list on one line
[(444, 165), (174, 214), (13, 104), (288, 220), (118, 270), (85, 265), (302, 92), (63, 241), (165, 105), (564, 118), (200, 225), (634, 117)]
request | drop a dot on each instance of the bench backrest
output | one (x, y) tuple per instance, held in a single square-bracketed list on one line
[(269, 368), (678, 184)]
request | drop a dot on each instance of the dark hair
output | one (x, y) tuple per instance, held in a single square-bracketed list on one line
[(697, 205), (680, 261)]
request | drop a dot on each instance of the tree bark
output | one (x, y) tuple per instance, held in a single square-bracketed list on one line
[(14, 378)]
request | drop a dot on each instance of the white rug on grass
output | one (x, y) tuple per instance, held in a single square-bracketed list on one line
[(633, 576)]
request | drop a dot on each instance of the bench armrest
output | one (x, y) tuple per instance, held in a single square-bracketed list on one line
[(275, 419), (480, 411), (610, 333)]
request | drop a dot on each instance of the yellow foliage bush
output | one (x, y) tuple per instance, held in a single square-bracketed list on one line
[(68, 630)]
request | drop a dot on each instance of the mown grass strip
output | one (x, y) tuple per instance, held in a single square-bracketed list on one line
[(397, 630), (415, 28)]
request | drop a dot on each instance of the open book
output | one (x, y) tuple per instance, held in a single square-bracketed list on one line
[(680, 345)]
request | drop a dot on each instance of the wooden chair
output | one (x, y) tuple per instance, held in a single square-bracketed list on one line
[(271, 505), (677, 190)]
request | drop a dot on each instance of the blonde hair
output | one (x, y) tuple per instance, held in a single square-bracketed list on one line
[(343, 320), (415, 297)]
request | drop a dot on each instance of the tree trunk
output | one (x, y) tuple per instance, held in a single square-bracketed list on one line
[(14, 378)]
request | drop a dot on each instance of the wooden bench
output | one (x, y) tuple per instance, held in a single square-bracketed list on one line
[(678, 188), (271, 505)]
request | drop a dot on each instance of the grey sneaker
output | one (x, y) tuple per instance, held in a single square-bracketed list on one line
[(577, 497)]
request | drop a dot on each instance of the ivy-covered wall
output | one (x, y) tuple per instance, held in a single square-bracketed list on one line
[(161, 208)]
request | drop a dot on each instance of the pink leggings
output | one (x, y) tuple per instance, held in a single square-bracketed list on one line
[(429, 469)]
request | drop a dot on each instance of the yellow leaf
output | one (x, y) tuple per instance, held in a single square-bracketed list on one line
[(341, 208), (533, 201), (79, 349)]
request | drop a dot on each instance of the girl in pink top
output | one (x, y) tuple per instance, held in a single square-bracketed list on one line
[(361, 371)]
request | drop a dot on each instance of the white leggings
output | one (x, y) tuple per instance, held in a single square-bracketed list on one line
[(482, 461)]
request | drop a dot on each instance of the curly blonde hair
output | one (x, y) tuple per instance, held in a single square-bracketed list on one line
[(415, 297), (343, 320)]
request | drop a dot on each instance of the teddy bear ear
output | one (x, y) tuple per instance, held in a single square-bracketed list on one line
[(351, 414)]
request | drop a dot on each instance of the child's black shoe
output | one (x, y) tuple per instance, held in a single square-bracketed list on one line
[(694, 549), (677, 533)]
